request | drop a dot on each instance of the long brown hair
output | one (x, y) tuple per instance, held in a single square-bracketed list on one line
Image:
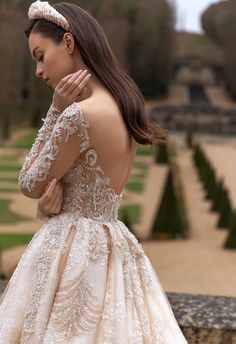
[(98, 56)]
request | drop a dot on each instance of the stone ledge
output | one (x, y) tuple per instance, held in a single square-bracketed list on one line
[(205, 318), (202, 318)]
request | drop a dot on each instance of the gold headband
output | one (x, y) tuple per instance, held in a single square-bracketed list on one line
[(43, 10)]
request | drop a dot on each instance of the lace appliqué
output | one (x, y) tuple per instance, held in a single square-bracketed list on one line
[(75, 310), (89, 188), (137, 279), (70, 121), (43, 135), (54, 238)]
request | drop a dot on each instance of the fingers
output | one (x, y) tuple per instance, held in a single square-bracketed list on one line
[(62, 82), (69, 81), (57, 205), (56, 194), (49, 189), (52, 197), (75, 84), (82, 84)]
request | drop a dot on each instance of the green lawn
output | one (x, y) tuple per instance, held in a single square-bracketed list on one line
[(133, 211), (10, 167), (135, 186), (7, 216), (6, 158), (141, 165), (6, 190), (27, 140), (9, 179), (144, 150), (8, 240)]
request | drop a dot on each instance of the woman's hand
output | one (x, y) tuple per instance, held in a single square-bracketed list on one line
[(70, 89), (51, 200)]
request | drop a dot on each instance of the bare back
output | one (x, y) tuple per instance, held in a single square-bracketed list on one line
[(109, 137)]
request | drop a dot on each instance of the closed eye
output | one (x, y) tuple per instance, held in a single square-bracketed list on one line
[(41, 58)]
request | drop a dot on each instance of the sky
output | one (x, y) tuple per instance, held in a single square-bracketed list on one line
[(189, 12)]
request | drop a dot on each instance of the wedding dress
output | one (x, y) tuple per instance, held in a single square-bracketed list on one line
[(83, 278)]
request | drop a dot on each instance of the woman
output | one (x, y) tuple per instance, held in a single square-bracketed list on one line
[(84, 278)]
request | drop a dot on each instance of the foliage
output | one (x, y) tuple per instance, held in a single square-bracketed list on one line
[(219, 23), (189, 137), (133, 211), (225, 210), (129, 215), (8, 240), (7, 216), (162, 154), (27, 140), (168, 222), (143, 48), (135, 186), (231, 239), (144, 150), (214, 188), (11, 167)]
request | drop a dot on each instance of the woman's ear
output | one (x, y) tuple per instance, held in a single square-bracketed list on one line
[(69, 42)]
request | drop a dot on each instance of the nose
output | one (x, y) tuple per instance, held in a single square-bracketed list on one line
[(39, 72)]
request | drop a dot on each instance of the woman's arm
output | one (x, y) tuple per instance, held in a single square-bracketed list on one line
[(68, 139), (50, 203), (43, 136), (51, 143)]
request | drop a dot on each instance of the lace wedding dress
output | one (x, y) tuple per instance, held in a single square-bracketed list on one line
[(83, 278)]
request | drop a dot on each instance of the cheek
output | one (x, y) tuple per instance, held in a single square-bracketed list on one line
[(61, 67)]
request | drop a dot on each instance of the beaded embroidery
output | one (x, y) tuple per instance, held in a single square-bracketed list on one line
[(100, 242)]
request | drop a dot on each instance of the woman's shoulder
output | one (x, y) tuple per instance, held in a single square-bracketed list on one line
[(105, 121), (101, 110)]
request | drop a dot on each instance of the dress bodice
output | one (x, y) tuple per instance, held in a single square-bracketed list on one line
[(87, 191)]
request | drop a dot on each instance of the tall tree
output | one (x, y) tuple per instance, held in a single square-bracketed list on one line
[(219, 23)]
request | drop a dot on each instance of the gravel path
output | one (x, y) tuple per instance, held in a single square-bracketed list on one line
[(199, 264)]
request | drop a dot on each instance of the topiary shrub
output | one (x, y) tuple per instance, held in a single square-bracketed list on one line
[(168, 222), (189, 138), (126, 220), (218, 195), (225, 210), (162, 154), (231, 239)]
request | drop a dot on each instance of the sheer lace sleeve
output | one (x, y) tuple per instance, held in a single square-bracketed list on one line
[(68, 139), (43, 136)]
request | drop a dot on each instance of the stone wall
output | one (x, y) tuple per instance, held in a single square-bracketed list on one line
[(202, 318)]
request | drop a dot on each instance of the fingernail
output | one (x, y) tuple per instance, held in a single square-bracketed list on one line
[(54, 180), (85, 70)]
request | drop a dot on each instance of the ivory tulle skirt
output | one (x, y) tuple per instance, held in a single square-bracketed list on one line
[(82, 281)]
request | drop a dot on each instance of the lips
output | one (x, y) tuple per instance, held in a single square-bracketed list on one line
[(46, 79)]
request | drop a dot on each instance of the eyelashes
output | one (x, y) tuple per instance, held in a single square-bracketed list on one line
[(41, 58)]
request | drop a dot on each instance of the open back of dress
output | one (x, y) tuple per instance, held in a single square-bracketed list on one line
[(84, 278)]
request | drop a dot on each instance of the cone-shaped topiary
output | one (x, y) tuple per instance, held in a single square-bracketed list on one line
[(231, 239), (225, 211), (162, 154), (189, 138), (211, 183), (168, 222), (127, 222), (218, 195)]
